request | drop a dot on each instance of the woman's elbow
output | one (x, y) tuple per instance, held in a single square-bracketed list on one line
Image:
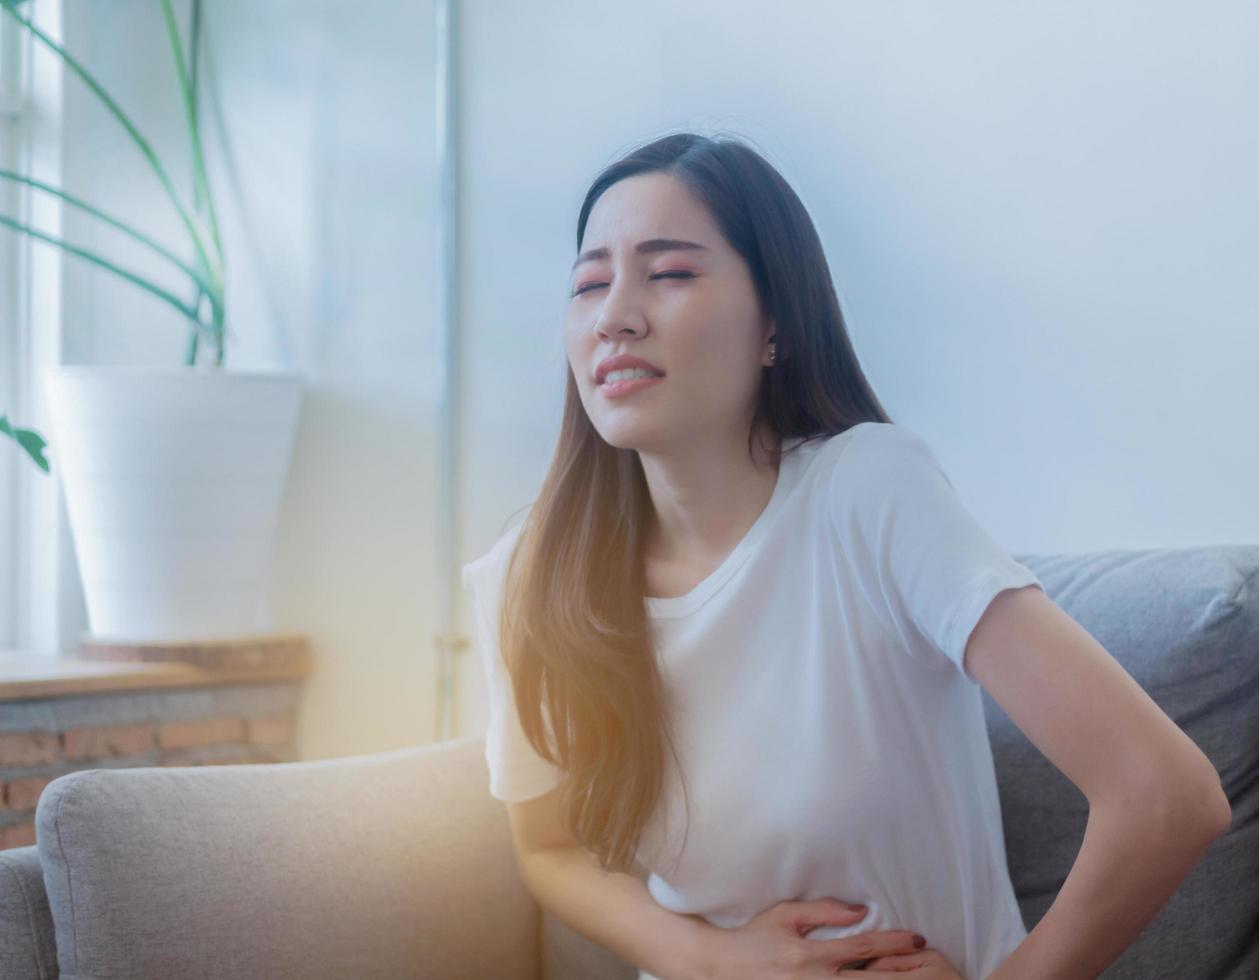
[(1193, 811), (1201, 812)]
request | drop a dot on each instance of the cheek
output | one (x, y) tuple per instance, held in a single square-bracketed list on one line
[(577, 343), (699, 355)]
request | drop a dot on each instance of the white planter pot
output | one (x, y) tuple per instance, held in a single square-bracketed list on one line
[(173, 477)]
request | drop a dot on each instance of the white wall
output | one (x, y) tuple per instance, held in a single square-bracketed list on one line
[(1040, 220)]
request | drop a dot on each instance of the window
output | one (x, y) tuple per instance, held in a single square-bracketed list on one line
[(10, 253), (37, 608)]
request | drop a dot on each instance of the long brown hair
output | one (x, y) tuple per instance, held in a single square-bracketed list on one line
[(573, 625)]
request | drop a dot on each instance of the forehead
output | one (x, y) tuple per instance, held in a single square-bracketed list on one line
[(647, 206)]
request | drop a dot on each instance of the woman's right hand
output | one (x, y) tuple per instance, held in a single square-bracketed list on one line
[(774, 945)]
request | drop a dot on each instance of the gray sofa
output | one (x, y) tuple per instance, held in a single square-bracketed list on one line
[(399, 864)]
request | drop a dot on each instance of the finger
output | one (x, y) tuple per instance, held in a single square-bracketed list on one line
[(900, 962), (825, 912)]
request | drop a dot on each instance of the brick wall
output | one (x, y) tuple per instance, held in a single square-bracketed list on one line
[(43, 738)]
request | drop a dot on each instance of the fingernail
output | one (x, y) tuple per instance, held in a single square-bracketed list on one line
[(856, 908), (919, 942)]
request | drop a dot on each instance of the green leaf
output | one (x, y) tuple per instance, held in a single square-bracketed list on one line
[(28, 439)]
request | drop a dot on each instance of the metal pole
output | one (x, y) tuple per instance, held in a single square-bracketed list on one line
[(447, 641)]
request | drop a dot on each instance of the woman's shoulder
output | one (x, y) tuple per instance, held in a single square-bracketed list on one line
[(868, 444), (874, 465)]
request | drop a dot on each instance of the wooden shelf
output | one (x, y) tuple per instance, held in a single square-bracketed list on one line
[(113, 665)]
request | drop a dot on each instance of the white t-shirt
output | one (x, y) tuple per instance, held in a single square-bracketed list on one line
[(833, 744)]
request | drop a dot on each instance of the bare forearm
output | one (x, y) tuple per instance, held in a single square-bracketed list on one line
[(614, 910), (1127, 868)]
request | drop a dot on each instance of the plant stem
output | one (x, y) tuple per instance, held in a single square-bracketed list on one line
[(212, 269), (200, 185), (157, 291), (190, 356), (120, 225), (190, 114)]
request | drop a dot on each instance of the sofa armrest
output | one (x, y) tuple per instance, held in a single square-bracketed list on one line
[(398, 864), (27, 947)]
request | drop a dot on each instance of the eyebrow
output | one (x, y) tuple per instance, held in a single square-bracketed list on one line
[(642, 248)]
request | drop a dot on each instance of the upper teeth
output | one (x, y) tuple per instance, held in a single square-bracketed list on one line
[(625, 375)]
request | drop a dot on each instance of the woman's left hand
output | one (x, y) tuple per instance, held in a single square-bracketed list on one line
[(927, 964)]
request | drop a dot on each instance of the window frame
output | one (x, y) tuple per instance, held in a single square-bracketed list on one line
[(40, 596), (12, 111)]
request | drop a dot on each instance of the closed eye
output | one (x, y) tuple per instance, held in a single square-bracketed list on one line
[(659, 275)]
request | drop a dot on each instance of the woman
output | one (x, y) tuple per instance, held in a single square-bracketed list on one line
[(732, 626)]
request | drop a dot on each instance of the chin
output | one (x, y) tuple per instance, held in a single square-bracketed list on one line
[(621, 440), (627, 433)]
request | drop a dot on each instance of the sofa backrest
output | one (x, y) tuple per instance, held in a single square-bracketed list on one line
[(1184, 623), (27, 949), (375, 867)]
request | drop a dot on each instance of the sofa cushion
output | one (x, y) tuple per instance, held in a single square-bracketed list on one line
[(27, 948), (391, 865), (1184, 623)]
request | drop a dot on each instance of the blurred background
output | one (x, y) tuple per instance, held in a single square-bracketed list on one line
[(1041, 221)]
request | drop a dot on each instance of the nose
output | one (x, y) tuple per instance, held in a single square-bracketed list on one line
[(620, 328), (617, 316)]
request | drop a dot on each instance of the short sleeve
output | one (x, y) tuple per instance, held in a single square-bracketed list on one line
[(923, 560), (517, 772)]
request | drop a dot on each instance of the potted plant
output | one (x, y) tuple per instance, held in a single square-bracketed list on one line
[(172, 475)]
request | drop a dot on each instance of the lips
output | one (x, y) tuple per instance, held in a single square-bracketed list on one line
[(623, 362), (623, 389)]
